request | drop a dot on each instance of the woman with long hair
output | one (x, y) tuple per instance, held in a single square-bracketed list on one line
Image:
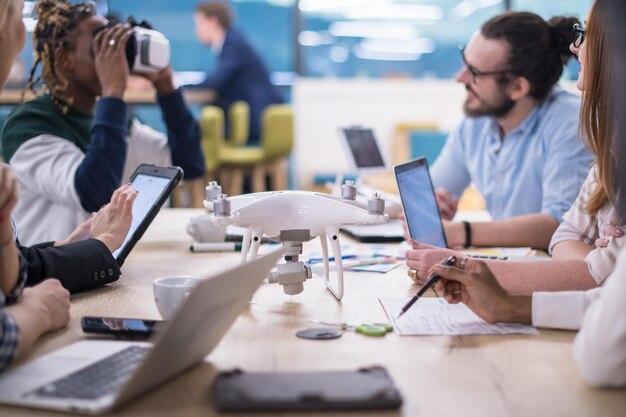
[(600, 347)]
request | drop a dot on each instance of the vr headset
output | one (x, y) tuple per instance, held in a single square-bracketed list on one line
[(147, 50)]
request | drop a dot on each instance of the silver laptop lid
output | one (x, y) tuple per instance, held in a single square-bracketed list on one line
[(199, 325)]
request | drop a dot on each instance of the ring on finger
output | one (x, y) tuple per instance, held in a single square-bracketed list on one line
[(413, 273), (112, 42), (463, 262)]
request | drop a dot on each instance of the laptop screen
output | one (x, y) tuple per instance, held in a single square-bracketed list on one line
[(363, 148), (419, 203)]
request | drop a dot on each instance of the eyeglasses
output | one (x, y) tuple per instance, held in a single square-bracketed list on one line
[(476, 73), (578, 33)]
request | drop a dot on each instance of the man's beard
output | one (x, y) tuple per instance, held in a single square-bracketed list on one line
[(499, 109)]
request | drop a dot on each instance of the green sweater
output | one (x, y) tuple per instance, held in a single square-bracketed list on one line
[(40, 117)]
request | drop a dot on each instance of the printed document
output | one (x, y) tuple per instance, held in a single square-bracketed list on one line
[(434, 316)]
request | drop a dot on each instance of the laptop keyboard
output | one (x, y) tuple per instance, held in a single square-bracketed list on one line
[(98, 379)]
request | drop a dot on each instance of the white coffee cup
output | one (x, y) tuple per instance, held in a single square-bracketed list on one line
[(171, 292), (203, 230)]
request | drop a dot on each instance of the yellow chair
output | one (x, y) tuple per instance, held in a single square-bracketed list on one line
[(212, 138), (277, 138), (229, 164), (239, 123)]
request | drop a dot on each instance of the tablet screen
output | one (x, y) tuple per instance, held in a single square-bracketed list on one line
[(419, 203), (149, 188), (363, 148)]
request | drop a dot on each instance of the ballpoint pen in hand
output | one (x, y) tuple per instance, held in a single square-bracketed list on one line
[(430, 281)]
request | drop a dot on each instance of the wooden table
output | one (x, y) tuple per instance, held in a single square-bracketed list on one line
[(438, 376)]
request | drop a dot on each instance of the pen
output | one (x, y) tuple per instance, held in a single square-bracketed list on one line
[(215, 247), (430, 281)]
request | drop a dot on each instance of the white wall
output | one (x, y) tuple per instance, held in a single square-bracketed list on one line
[(323, 106)]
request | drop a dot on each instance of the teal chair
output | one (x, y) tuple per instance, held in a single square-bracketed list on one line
[(426, 143)]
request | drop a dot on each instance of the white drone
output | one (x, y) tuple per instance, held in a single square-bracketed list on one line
[(294, 217)]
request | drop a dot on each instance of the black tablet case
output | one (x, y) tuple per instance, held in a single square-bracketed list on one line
[(364, 389)]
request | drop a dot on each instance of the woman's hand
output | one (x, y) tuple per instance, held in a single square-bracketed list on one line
[(609, 230), (82, 232), (112, 222), (477, 288), (422, 257)]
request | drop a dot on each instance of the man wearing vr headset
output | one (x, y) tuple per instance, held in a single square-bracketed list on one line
[(70, 150)]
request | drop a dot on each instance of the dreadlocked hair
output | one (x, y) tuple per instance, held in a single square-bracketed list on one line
[(57, 18)]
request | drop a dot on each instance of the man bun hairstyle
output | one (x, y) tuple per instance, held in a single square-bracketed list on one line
[(538, 50), (219, 10)]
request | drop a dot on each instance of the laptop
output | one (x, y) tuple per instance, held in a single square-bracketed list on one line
[(96, 376), (365, 156), (362, 149)]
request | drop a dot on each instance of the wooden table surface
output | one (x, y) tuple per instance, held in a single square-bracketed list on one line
[(437, 375)]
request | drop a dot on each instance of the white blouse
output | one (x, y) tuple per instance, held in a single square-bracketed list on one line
[(600, 346)]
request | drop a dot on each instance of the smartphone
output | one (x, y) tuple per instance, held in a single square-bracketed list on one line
[(419, 203), (154, 185), (122, 327)]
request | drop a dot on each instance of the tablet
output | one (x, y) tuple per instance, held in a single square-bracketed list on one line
[(419, 202), (363, 149), (154, 185)]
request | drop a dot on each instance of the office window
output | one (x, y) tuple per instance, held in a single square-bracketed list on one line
[(376, 38), (548, 9), (419, 38)]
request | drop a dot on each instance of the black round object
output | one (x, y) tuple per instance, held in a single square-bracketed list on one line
[(319, 333)]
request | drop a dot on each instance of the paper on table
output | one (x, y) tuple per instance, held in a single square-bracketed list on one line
[(434, 316)]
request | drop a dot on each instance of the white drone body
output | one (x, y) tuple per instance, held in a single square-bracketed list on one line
[(294, 217)]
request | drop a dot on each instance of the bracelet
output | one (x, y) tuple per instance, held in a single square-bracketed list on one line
[(468, 234)]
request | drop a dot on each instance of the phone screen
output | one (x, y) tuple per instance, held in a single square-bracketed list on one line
[(118, 326), (419, 203), (149, 189)]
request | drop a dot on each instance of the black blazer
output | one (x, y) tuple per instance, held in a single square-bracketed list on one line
[(79, 266)]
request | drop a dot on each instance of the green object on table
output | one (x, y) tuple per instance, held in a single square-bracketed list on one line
[(367, 329)]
